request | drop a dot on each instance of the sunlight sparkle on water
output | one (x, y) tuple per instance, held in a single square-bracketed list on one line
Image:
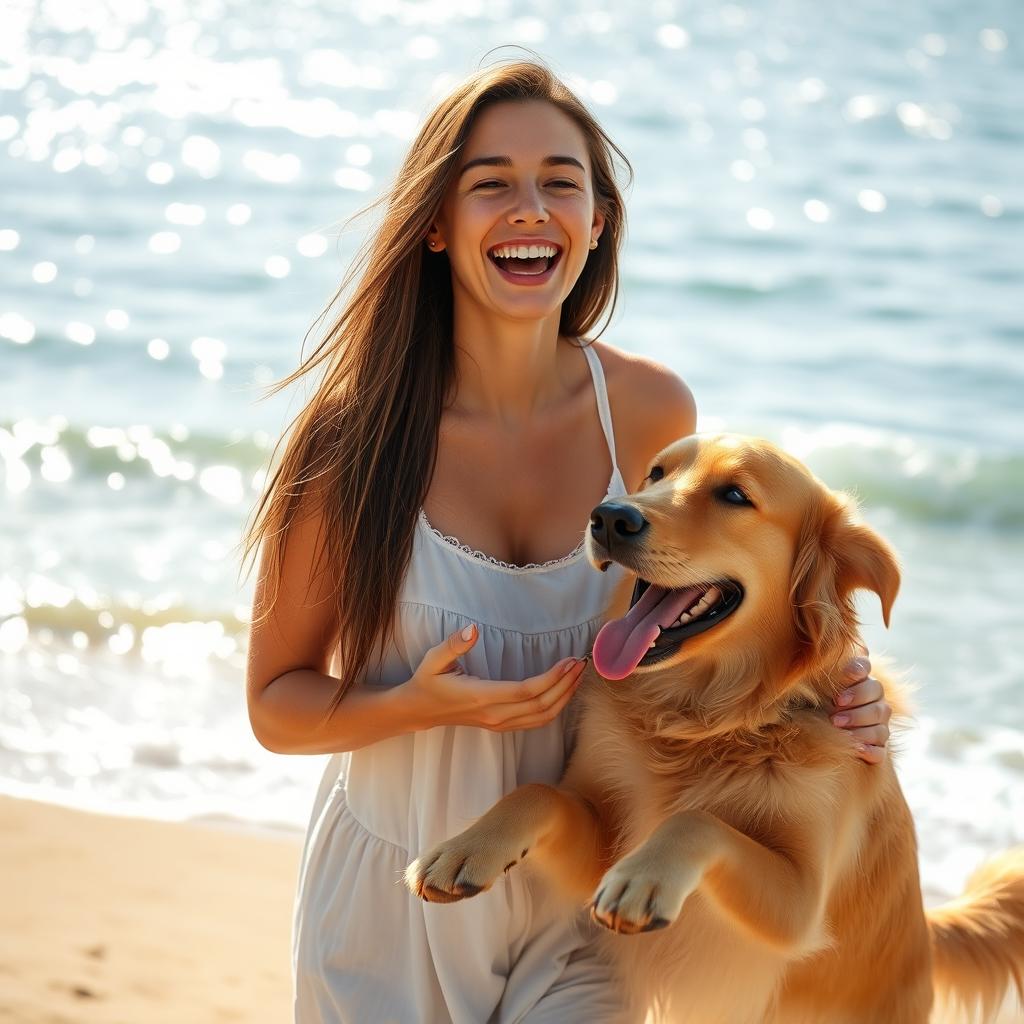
[(160, 172), (44, 272), (992, 206), (80, 333), (56, 467), (358, 154), (13, 635), (672, 37), (279, 169), (812, 90), (277, 266), (312, 245), (861, 108), (14, 327), (817, 211), (202, 155), (158, 349), (993, 39), (352, 178), (871, 200), (238, 214), (742, 170), (189, 214), (164, 242), (9, 239), (223, 483)]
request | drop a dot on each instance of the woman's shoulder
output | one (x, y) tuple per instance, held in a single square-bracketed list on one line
[(652, 406)]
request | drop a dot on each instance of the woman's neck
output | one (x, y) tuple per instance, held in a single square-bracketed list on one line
[(508, 370)]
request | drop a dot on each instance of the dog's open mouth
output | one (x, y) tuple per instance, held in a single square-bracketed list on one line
[(659, 621)]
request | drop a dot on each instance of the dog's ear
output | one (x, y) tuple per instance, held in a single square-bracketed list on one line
[(866, 562), (836, 555), (818, 611)]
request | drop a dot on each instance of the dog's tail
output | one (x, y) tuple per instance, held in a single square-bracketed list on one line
[(978, 939)]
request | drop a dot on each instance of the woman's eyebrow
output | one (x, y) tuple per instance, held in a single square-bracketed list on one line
[(506, 161)]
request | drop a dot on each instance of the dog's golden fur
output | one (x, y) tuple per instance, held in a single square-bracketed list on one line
[(756, 870)]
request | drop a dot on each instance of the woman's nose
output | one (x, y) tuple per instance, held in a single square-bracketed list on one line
[(528, 207)]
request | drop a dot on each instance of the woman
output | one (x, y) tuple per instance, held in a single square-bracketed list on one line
[(461, 399)]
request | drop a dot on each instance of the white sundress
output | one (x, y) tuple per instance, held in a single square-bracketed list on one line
[(366, 951)]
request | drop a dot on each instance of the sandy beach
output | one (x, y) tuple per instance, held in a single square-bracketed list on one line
[(123, 921), (108, 920)]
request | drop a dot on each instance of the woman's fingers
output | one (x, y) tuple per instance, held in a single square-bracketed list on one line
[(874, 735), (531, 720), (442, 657), (535, 686), (868, 691), (876, 713), (544, 706), (870, 753), (857, 668)]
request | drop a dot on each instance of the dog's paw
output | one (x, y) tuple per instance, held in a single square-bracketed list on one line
[(459, 868), (640, 895)]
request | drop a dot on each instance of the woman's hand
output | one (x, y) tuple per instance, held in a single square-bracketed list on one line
[(863, 710), (441, 693)]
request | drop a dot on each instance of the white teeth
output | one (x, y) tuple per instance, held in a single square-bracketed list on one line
[(706, 601), (524, 252)]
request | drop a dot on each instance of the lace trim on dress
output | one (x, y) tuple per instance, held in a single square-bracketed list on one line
[(490, 559)]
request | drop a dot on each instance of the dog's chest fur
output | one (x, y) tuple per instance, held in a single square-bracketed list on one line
[(645, 778)]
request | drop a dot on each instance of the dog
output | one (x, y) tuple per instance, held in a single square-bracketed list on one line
[(754, 869)]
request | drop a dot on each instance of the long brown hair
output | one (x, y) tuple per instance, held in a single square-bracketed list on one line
[(362, 451)]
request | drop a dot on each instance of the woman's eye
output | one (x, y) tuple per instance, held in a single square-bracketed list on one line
[(655, 474), (734, 496), (555, 184)]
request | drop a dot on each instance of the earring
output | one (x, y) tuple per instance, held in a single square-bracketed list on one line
[(593, 243), (431, 243)]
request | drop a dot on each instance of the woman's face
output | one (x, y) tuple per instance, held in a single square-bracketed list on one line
[(536, 187)]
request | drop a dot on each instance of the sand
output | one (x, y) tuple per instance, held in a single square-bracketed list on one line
[(123, 921)]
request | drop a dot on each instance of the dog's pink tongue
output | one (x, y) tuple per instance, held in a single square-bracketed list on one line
[(623, 642)]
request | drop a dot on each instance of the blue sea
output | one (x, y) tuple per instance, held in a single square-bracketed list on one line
[(825, 241)]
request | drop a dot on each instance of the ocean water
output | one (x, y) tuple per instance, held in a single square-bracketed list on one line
[(825, 240)]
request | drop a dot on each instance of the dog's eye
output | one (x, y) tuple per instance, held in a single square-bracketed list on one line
[(732, 495), (655, 474)]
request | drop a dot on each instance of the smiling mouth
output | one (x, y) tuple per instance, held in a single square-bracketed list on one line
[(659, 621), (526, 267)]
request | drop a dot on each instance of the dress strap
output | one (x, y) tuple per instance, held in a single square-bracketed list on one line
[(603, 408)]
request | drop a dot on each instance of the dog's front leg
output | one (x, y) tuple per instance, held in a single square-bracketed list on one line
[(555, 827), (775, 896)]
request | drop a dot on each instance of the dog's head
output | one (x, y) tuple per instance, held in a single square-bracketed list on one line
[(742, 557)]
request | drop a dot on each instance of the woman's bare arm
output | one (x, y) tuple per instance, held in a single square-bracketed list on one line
[(289, 691)]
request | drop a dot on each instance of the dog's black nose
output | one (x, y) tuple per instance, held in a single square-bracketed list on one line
[(615, 521)]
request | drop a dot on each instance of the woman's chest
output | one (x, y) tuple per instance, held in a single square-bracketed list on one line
[(521, 498)]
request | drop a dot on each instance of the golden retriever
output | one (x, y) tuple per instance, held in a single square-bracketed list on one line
[(754, 868)]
